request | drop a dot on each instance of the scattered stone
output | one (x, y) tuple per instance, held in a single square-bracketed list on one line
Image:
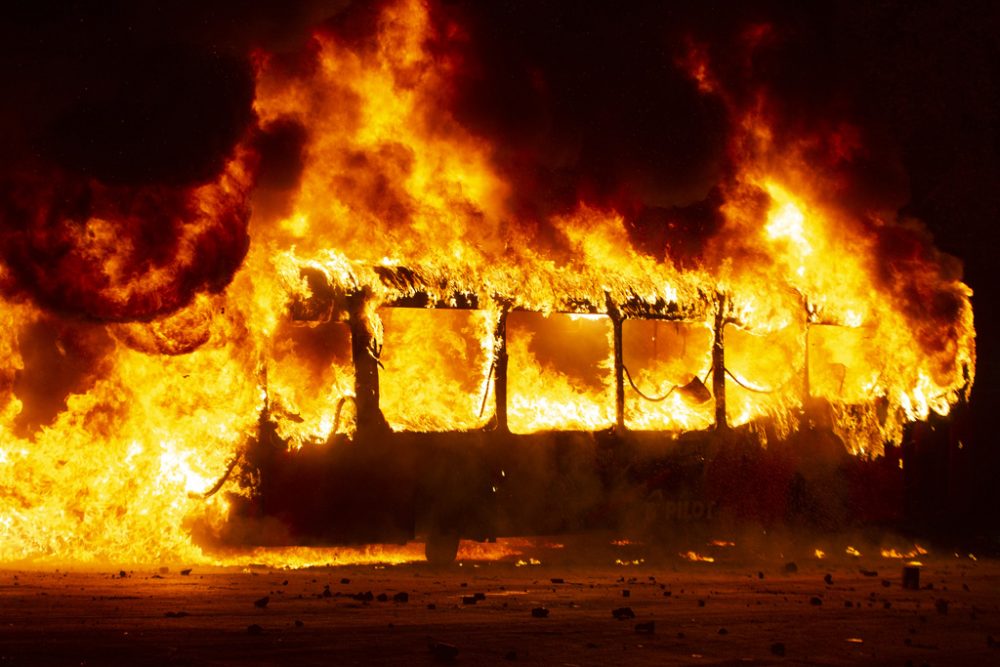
[(401, 596), (886, 583), (828, 579), (176, 614), (626, 593), (255, 630), (185, 573), (557, 580), (941, 605), (345, 580), (431, 606), (367, 596), (285, 583), (382, 597), (123, 574), (815, 601), (443, 651), (261, 603), (681, 635), (701, 603), (760, 575), (539, 612), (778, 649), (479, 596), (623, 613), (868, 573), (510, 655), (469, 599), (886, 604), (299, 623), (992, 643), (327, 593), (965, 587), (667, 594), (647, 628), (723, 631), (791, 567)]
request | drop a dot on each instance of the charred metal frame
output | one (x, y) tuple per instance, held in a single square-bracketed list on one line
[(365, 352), (407, 288)]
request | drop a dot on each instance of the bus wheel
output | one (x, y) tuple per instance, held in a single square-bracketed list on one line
[(441, 548)]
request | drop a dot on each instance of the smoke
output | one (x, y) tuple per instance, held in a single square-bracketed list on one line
[(124, 190)]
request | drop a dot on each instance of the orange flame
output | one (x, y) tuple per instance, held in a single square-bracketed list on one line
[(392, 182)]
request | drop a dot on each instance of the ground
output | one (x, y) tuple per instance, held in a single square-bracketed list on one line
[(731, 611)]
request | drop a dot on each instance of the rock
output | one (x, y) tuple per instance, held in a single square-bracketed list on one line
[(122, 574), (760, 575), (791, 568), (623, 613), (647, 628), (815, 601), (778, 649), (557, 580), (828, 579), (469, 599), (941, 605), (261, 603), (444, 652), (479, 596), (255, 630), (510, 655), (299, 623), (848, 604), (431, 606), (382, 597), (868, 573), (911, 577), (701, 603), (185, 573), (345, 580), (401, 596), (539, 612), (723, 631), (176, 614), (626, 593), (886, 583)]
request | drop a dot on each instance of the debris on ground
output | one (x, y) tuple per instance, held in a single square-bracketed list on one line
[(623, 613)]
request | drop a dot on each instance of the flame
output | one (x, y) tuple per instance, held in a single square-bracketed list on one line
[(908, 555), (397, 200), (820, 554), (696, 557)]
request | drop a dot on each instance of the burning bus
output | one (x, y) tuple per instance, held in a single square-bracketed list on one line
[(407, 328)]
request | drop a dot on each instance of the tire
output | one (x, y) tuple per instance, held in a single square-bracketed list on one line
[(441, 548)]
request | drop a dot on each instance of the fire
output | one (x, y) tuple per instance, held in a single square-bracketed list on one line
[(696, 557), (398, 201), (908, 555)]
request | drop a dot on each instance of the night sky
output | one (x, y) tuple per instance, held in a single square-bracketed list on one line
[(582, 100)]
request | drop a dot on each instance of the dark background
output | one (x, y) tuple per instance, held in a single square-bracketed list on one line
[(582, 100)]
